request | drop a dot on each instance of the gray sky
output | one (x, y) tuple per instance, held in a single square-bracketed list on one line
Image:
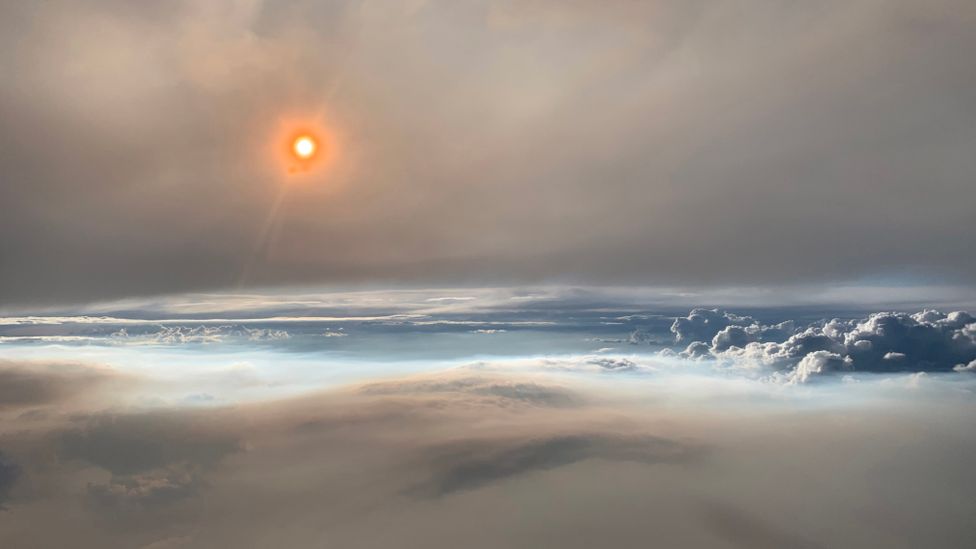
[(618, 142)]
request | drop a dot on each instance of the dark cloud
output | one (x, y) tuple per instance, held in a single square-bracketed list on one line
[(132, 444), (35, 384), (9, 473), (468, 465), (723, 329), (614, 364), (704, 324), (165, 486), (645, 142), (742, 530)]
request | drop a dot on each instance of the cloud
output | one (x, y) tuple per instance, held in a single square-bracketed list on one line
[(134, 444), (617, 364), (156, 487), (9, 473), (26, 384), (724, 329), (469, 465), (881, 342), (130, 460), (462, 457), (971, 367), (703, 325), (178, 335), (818, 363), (748, 532), (499, 391)]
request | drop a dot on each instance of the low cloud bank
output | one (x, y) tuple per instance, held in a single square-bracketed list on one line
[(927, 341), (24, 385), (489, 457)]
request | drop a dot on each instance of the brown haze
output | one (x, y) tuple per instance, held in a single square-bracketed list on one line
[(482, 459), (503, 142)]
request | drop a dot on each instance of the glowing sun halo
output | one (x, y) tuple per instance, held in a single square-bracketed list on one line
[(304, 147)]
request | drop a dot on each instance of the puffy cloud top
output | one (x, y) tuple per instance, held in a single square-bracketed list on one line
[(882, 342)]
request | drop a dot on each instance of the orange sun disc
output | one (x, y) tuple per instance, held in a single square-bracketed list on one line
[(304, 147)]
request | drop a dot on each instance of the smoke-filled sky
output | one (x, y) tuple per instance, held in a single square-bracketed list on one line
[(542, 273), (505, 142)]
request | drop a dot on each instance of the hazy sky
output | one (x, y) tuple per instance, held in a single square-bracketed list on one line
[(658, 142), (564, 273)]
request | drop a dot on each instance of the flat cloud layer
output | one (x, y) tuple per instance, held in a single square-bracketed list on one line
[(581, 329), (504, 141), (491, 459)]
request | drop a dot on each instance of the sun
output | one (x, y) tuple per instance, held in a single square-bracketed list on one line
[(304, 147)]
